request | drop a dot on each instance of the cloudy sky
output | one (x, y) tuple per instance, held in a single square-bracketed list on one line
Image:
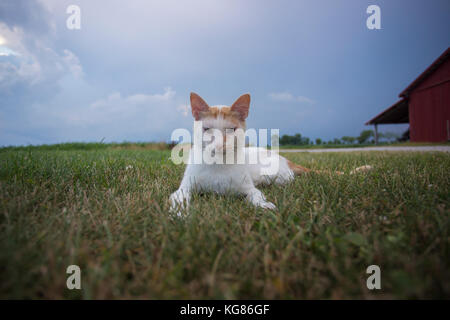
[(311, 66)]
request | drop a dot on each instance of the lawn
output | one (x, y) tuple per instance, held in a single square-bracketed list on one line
[(105, 209)]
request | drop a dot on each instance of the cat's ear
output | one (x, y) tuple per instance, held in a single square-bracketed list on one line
[(198, 105), (241, 106)]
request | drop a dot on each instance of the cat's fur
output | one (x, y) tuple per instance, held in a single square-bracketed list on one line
[(235, 178)]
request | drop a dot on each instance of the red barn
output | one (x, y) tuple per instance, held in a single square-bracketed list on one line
[(424, 104)]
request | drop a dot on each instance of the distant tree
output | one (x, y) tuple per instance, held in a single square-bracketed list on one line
[(336, 141), (345, 139), (318, 141), (305, 140), (365, 135), (290, 140), (295, 140), (348, 139), (285, 139), (389, 136)]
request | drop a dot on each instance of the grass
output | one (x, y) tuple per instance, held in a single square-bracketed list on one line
[(106, 210)]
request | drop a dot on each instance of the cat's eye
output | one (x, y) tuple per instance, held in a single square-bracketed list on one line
[(205, 129), (231, 129)]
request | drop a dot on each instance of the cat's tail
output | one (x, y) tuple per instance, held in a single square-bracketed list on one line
[(362, 169), (300, 170)]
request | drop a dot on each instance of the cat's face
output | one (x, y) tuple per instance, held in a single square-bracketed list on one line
[(224, 119)]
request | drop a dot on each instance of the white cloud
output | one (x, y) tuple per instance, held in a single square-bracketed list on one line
[(117, 115), (115, 101), (288, 97), (5, 51), (73, 63), (143, 98), (33, 61)]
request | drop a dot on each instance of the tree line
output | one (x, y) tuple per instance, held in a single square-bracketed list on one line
[(365, 137)]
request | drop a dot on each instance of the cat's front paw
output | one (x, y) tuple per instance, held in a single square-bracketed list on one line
[(267, 205), (178, 203), (179, 211)]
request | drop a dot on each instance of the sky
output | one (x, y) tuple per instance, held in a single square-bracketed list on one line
[(311, 67)]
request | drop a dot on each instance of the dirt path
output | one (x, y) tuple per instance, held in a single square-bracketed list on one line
[(409, 148)]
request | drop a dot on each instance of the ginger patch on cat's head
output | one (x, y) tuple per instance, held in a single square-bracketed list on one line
[(236, 114)]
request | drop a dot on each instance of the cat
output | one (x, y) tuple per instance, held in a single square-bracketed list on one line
[(221, 177)]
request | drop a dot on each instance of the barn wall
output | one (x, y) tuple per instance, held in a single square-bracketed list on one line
[(429, 107)]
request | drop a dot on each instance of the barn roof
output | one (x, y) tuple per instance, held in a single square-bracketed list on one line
[(397, 113), (442, 58)]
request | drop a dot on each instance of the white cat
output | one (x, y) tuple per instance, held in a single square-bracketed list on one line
[(236, 178)]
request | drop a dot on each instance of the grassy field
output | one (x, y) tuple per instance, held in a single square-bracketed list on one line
[(105, 209)]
